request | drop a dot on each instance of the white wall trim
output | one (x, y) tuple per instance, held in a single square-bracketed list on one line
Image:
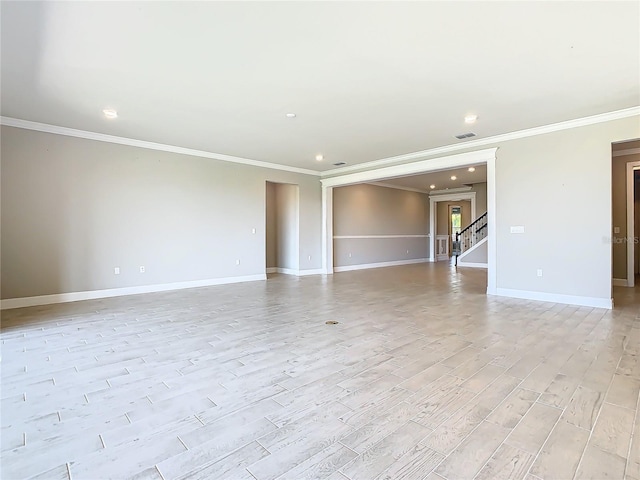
[(624, 153), (529, 132), (365, 266), (101, 137), (315, 271), (449, 191), (433, 211), (631, 234), (341, 237), (405, 169), (398, 187), (487, 156), (327, 230), (472, 265), (620, 282), (462, 263), (297, 273), (118, 292), (594, 302)]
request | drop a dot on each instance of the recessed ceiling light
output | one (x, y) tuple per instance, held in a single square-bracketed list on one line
[(291, 115), (432, 187), (470, 119), (453, 177), (110, 113), (472, 169), (319, 157)]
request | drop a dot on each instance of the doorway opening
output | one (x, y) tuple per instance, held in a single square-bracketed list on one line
[(625, 229), (485, 157), (282, 228)]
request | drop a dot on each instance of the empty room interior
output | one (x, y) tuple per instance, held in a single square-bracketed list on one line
[(320, 240)]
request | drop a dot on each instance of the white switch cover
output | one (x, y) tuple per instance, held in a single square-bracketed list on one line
[(539, 272), (517, 229), (237, 262), (116, 271), (253, 230), (616, 229)]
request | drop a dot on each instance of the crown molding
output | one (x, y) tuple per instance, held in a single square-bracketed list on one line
[(624, 153), (132, 142), (436, 193), (412, 168), (529, 132), (397, 187)]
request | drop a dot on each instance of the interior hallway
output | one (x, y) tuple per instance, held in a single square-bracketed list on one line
[(424, 376)]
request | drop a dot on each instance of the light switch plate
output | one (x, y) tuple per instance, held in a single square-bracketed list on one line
[(517, 229)]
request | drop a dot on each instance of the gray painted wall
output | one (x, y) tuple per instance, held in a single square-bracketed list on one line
[(619, 199), (479, 255), (564, 171), (287, 226), (442, 215), (73, 209), (271, 236), (481, 197), (374, 210)]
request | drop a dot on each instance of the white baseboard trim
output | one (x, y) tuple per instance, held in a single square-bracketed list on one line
[(297, 273), (594, 302), (472, 265), (364, 266), (620, 282), (316, 271), (118, 292)]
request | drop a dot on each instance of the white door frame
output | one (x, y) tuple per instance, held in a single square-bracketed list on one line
[(433, 213), (487, 156), (631, 234)]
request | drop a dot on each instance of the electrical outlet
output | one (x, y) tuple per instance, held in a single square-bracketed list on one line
[(237, 262), (142, 269), (309, 257), (253, 230), (616, 229), (407, 251), (539, 272), (116, 271), (349, 254)]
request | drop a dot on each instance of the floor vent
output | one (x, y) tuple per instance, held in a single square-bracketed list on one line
[(331, 322)]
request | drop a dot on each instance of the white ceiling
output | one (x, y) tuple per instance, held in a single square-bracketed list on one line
[(367, 80), (442, 179)]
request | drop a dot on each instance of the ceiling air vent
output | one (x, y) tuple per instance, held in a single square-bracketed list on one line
[(462, 136), (339, 164)]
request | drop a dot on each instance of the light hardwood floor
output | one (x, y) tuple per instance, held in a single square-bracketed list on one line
[(424, 377)]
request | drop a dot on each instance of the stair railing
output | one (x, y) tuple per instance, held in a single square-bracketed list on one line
[(470, 235)]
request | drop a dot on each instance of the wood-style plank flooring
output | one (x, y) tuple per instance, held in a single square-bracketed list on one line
[(424, 377)]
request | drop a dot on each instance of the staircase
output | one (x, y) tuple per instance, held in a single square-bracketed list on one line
[(470, 244)]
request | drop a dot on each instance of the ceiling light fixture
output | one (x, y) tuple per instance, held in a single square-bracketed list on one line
[(109, 113), (472, 169), (432, 187), (453, 177), (470, 118), (319, 157), (291, 115)]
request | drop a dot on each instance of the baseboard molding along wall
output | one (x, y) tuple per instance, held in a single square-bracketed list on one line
[(118, 292), (594, 302), (364, 266)]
